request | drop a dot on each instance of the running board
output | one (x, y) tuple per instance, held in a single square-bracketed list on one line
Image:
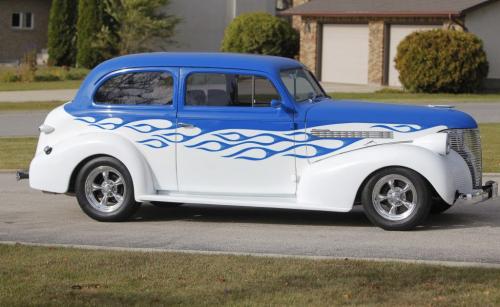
[(279, 202)]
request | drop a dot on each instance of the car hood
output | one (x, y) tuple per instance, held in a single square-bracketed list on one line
[(328, 112)]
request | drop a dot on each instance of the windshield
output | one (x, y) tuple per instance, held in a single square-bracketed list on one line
[(301, 84)]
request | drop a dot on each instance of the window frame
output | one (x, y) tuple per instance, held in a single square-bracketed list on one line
[(22, 18), (251, 73), (100, 82)]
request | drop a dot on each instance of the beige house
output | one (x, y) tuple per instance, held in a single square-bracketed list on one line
[(355, 41), (24, 24), (23, 28)]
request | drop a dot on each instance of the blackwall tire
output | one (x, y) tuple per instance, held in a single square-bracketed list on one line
[(105, 191), (396, 199)]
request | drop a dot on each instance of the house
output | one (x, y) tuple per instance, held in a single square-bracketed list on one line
[(24, 24), (355, 41), (23, 28)]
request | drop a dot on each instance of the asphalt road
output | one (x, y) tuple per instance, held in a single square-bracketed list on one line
[(27, 123), (464, 234)]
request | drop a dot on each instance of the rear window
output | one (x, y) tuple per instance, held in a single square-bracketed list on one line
[(141, 88)]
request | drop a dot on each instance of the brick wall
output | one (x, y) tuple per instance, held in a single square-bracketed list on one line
[(17, 42)]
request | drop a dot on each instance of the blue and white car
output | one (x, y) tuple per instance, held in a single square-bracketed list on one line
[(256, 131)]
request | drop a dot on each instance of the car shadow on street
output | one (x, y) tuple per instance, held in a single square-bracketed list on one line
[(222, 214), (455, 218)]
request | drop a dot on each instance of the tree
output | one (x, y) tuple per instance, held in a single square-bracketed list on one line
[(261, 33), (136, 26), (442, 61), (91, 18), (62, 32)]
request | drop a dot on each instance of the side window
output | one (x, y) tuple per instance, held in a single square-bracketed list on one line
[(230, 90), (141, 88)]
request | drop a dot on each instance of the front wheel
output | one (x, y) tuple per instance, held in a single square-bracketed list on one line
[(396, 199), (105, 191)]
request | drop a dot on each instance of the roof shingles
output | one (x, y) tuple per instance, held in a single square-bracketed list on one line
[(385, 7)]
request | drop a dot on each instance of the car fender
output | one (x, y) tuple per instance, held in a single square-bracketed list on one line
[(52, 172), (334, 182)]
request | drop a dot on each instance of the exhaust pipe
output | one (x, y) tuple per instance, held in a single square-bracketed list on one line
[(21, 175)]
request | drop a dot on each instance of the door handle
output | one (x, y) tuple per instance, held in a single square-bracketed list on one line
[(185, 125)]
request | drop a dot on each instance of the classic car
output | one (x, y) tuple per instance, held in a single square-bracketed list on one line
[(248, 130)]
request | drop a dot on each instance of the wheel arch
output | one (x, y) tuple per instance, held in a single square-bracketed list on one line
[(334, 183), (76, 170), (365, 181)]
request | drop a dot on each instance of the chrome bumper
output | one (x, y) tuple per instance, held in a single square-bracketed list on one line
[(489, 191)]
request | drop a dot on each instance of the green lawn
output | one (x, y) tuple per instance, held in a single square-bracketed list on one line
[(61, 277), (29, 106), (387, 96), (46, 85), (17, 152)]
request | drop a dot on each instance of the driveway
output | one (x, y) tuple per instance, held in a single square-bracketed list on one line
[(464, 234)]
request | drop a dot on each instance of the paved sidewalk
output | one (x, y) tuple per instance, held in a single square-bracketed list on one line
[(47, 95)]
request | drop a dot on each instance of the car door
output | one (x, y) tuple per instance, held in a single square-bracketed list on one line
[(140, 105), (231, 141)]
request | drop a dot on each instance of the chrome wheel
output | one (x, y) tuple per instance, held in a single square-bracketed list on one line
[(394, 197), (105, 189)]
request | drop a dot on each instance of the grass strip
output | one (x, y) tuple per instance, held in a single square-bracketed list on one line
[(63, 276), (18, 152), (411, 98), (42, 85), (29, 105)]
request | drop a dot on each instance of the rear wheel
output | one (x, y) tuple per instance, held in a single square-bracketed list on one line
[(396, 199), (105, 191)]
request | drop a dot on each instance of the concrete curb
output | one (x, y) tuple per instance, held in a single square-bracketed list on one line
[(262, 255)]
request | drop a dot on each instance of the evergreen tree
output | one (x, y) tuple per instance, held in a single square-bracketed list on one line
[(91, 18), (62, 32)]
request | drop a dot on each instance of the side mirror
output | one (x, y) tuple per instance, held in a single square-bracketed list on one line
[(276, 103)]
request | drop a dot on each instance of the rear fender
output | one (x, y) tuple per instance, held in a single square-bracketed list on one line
[(52, 173)]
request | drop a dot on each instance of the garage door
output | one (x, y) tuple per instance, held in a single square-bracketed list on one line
[(345, 54), (398, 33)]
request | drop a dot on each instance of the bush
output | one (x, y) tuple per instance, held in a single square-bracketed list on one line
[(8, 76), (77, 74), (46, 76), (442, 61), (261, 33)]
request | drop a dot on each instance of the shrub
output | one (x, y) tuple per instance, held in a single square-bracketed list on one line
[(77, 74), (28, 68), (442, 61), (261, 33), (62, 32), (9, 76), (46, 76)]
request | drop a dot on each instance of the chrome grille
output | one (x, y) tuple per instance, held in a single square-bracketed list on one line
[(467, 143)]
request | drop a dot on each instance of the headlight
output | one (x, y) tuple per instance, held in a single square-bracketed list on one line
[(437, 142)]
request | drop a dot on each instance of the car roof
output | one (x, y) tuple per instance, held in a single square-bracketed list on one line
[(198, 59)]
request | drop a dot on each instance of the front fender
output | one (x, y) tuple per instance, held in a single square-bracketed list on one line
[(334, 182), (52, 173)]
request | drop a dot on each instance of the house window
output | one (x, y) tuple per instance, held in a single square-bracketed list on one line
[(22, 20)]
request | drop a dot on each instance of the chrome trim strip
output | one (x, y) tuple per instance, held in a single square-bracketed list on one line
[(330, 134)]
